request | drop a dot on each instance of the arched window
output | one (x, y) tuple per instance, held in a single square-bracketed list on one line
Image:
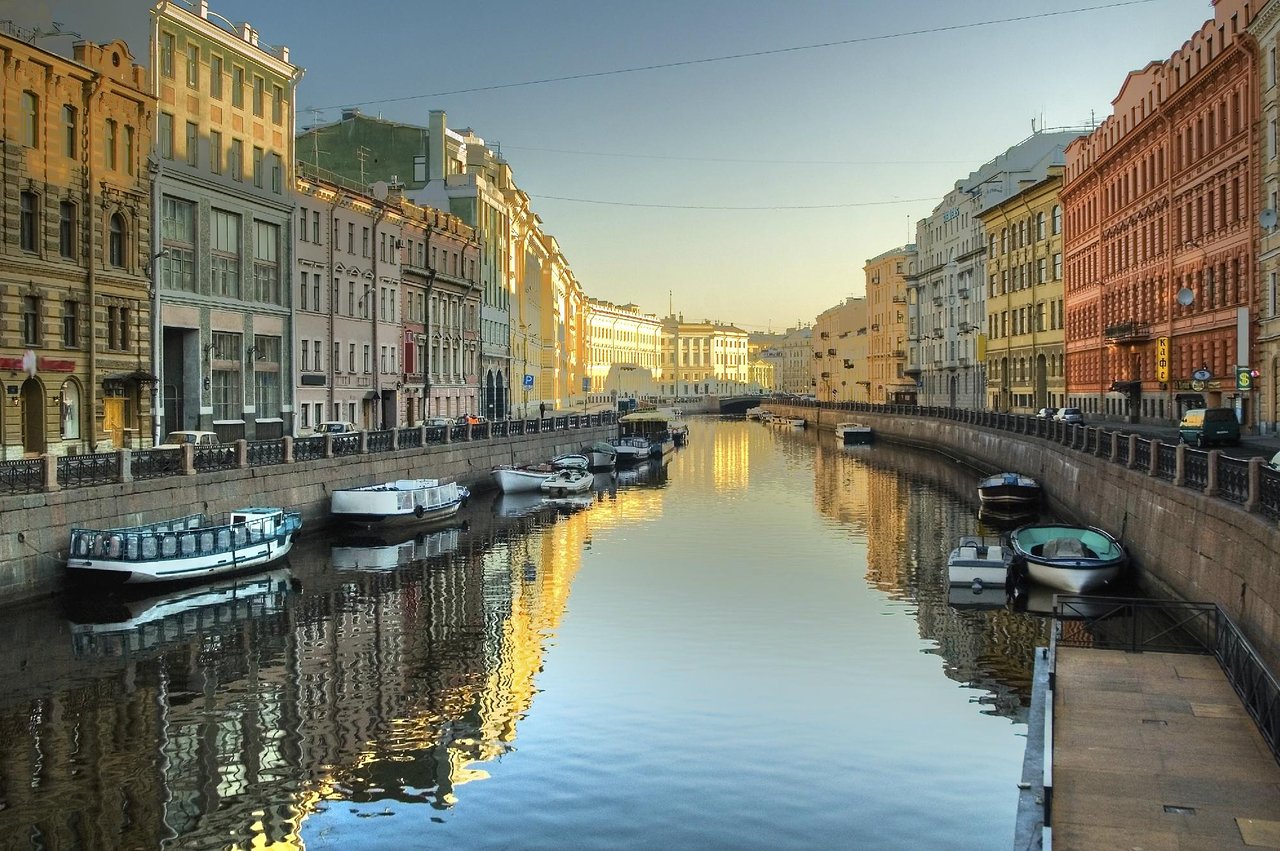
[(1057, 219), (115, 241), (70, 411)]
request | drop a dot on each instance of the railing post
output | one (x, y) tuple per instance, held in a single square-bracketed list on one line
[(1211, 484), (448, 434), (242, 453), (49, 467), (364, 441), (328, 445), (126, 465), (188, 459), (395, 439), (422, 434), (1179, 465), (1153, 467), (1255, 485), (1133, 451), (287, 448), (1115, 447)]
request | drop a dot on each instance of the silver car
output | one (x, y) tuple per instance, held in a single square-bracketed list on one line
[(1070, 415)]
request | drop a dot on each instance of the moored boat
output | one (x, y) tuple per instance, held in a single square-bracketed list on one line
[(654, 426), (980, 562), (572, 461), (1075, 559), (183, 549), (853, 434), (630, 450), (521, 479), (568, 481), (1009, 489), (402, 501), (601, 455), (789, 422)]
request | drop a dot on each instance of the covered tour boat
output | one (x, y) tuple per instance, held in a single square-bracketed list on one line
[(402, 501)]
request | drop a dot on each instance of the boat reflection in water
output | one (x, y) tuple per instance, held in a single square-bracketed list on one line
[(387, 552), (109, 625), (1006, 518), (978, 597), (651, 472)]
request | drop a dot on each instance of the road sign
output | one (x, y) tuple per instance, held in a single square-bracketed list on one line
[(528, 381)]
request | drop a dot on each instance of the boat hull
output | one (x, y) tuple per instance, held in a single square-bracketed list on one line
[(1075, 559), (511, 480), (854, 434), (402, 502), (194, 568), (1009, 489), (1073, 580)]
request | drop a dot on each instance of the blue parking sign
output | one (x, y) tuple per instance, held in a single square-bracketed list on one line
[(528, 381)]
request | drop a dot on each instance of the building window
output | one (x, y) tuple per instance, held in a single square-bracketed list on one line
[(315, 290), (215, 77), (257, 166), (277, 176), (277, 104), (1057, 219), (70, 402), (224, 369), (31, 119), (130, 155), (367, 362), (193, 66), (237, 87), (178, 232), (27, 221), (351, 238), (193, 143), (167, 43), (225, 253), (236, 160), (319, 364), (164, 136), (1057, 267), (109, 143), (266, 263), (364, 243), (259, 86), (70, 324), (215, 151), (315, 228), (115, 241), (266, 376), (351, 357), (67, 230), (304, 284), (1040, 233), (30, 320), (70, 131)]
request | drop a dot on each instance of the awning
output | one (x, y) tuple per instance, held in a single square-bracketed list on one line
[(1126, 386), (1194, 400), (371, 395), (138, 376)]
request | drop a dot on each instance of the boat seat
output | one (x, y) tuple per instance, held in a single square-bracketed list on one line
[(970, 540), (995, 553), (970, 553)]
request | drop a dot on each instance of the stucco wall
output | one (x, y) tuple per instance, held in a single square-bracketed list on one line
[(34, 529)]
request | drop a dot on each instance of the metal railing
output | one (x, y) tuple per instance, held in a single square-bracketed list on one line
[(22, 475), (207, 458), (265, 452), (308, 448), (1233, 479), (155, 463), (99, 468), (1167, 462), (410, 438), (379, 441)]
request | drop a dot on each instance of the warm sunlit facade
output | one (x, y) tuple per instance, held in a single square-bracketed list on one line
[(886, 282), (1024, 322), (76, 253), (703, 359), (838, 367), (624, 351), (1161, 208), (1265, 28)]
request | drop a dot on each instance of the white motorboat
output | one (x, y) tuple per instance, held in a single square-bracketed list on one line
[(601, 455), (521, 479), (630, 450), (572, 461), (402, 501), (1074, 559), (979, 562), (187, 548), (568, 481), (1009, 489), (789, 422), (853, 434)]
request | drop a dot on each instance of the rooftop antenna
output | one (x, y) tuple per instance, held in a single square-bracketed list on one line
[(362, 154), (315, 137)]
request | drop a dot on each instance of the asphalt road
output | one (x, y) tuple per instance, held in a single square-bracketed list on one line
[(1251, 445)]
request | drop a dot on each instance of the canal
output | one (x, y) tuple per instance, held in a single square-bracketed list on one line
[(753, 648)]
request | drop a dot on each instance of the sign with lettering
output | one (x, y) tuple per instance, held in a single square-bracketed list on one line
[(1162, 359)]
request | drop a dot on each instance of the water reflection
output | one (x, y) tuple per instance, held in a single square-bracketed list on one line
[(371, 678)]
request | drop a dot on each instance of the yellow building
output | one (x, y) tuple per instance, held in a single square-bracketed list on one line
[(886, 277), (75, 258), (703, 358), (839, 368), (624, 352), (1024, 335)]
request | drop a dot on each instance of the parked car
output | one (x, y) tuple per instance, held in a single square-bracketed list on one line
[(177, 439), (335, 427), (471, 419), (432, 422), (1069, 415), (1207, 426), (1274, 463), (1046, 413)]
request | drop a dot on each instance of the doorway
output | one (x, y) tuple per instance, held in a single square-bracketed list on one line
[(34, 441)]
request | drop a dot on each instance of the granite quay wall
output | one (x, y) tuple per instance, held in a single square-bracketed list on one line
[(35, 527), (1198, 526)]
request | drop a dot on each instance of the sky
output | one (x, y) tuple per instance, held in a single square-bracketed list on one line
[(748, 190)]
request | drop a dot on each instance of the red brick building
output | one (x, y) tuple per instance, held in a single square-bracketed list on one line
[(1161, 233)]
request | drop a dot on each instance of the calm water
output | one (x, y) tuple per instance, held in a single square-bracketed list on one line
[(754, 650)]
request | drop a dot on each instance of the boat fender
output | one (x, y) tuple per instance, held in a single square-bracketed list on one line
[(418, 511)]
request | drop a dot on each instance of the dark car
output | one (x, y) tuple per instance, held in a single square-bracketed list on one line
[(1046, 413)]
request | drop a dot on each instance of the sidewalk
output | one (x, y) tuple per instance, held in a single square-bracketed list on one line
[(1250, 444)]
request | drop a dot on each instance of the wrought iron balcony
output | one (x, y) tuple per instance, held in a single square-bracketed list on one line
[(1128, 332)]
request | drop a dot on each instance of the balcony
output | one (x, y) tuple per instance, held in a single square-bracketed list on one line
[(898, 353), (937, 301), (911, 369), (831, 352), (899, 299), (963, 292), (1128, 332)]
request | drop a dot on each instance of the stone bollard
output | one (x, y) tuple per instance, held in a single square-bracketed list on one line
[(328, 445), (49, 466), (1133, 451), (395, 439), (1255, 485), (1153, 468), (422, 434), (242, 453), (188, 459), (448, 434), (1180, 465), (287, 448), (125, 465), (1211, 482), (364, 442)]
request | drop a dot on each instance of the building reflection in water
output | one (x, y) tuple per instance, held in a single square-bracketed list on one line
[(397, 670)]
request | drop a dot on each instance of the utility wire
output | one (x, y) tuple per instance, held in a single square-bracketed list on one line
[(750, 55), (741, 161)]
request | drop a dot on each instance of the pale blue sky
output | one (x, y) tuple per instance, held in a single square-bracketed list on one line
[(881, 120)]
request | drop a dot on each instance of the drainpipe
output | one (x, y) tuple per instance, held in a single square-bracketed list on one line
[(91, 121), (333, 308), (426, 309), (373, 313)]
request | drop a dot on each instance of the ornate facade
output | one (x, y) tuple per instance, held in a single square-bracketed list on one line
[(886, 282), (75, 340), (1161, 207), (1265, 29)]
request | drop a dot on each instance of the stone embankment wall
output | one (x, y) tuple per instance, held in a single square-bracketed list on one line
[(1182, 543), (35, 528)]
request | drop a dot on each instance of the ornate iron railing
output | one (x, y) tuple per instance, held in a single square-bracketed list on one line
[(379, 441), (346, 444), (99, 468), (458, 432), (435, 434), (1142, 454), (208, 458), (1195, 469), (22, 475), (410, 438), (308, 448), (1233, 479), (262, 453), (1122, 449), (155, 463), (498, 429), (1269, 493), (1167, 462)]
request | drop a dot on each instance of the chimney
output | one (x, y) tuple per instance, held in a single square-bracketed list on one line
[(204, 9)]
